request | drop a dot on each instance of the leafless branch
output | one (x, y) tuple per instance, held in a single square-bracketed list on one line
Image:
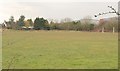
[(113, 11)]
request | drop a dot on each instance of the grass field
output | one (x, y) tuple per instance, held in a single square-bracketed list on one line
[(59, 49)]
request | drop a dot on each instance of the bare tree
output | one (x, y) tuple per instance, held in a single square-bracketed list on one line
[(66, 20), (113, 10), (86, 20)]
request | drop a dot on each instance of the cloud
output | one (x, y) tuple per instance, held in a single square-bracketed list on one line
[(55, 10)]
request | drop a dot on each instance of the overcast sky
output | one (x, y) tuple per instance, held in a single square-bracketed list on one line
[(55, 10)]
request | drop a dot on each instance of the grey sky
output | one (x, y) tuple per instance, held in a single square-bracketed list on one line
[(55, 10)]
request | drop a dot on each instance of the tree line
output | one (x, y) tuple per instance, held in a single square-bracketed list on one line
[(85, 24)]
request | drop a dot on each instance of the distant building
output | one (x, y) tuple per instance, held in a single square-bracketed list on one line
[(27, 28)]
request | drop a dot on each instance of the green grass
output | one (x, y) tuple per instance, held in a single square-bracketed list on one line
[(59, 50)]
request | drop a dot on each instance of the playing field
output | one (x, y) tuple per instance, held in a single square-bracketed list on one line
[(59, 49)]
